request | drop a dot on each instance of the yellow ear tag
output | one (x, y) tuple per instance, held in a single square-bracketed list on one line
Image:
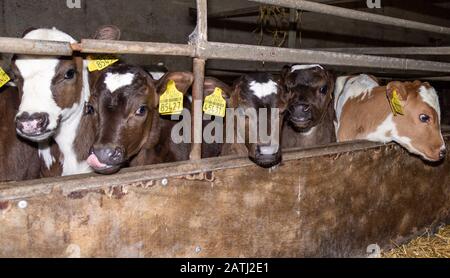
[(215, 104), (171, 101), (396, 105), (4, 78), (99, 62)]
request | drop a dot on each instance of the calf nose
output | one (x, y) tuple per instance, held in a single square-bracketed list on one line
[(109, 155), (442, 153), (33, 125)]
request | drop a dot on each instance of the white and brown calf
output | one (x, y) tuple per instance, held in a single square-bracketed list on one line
[(54, 91), (364, 112)]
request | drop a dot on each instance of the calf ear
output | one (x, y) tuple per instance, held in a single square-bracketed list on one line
[(287, 78), (107, 32), (183, 81), (399, 87), (212, 83)]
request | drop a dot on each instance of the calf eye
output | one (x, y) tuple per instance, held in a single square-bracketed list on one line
[(70, 74), (424, 118), (324, 90), (141, 111), (89, 109)]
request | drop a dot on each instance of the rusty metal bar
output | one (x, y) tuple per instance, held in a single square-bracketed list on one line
[(357, 15), (129, 47), (214, 50), (199, 78), (34, 47), (444, 50)]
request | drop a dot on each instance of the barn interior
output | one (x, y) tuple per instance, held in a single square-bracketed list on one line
[(263, 23)]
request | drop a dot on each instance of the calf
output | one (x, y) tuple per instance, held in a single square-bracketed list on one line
[(364, 111), (310, 113), (54, 90), (19, 158), (130, 131), (255, 92)]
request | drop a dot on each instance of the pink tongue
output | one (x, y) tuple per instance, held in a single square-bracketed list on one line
[(94, 162)]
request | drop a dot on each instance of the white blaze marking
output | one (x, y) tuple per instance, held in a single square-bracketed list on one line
[(157, 75), (261, 90), (116, 81), (304, 67), (430, 97), (268, 150)]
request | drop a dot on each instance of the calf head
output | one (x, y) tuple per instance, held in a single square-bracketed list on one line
[(124, 103), (418, 129), (52, 88), (261, 100), (311, 88)]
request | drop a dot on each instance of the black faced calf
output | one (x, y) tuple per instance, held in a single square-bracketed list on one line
[(310, 114)]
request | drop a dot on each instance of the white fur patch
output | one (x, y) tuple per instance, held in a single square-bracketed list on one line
[(304, 67), (157, 75), (384, 132), (269, 150), (348, 88), (115, 81), (430, 97), (46, 155), (49, 35), (261, 90)]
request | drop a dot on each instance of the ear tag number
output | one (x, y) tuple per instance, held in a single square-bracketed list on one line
[(171, 101), (99, 62), (215, 104)]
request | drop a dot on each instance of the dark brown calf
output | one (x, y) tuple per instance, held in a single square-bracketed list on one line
[(19, 159), (310, 113), (124, 108), (253, 92)]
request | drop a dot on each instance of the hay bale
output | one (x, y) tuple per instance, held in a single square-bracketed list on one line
[(425, 246)]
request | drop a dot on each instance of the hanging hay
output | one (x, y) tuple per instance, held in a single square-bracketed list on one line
[(425, 246)]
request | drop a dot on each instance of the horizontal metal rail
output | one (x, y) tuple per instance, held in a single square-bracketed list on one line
[(444, 50), (357, 15), (34, 47)]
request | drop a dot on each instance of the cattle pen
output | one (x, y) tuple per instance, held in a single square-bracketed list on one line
[(339, 200)]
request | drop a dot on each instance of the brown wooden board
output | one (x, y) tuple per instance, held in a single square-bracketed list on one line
[(332, 201)]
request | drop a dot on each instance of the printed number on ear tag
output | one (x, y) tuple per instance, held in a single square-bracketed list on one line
[(215, 104), (99, 62), (396, 105), (171, 101), (4, 78)]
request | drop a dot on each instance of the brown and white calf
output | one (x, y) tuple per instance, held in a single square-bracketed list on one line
[(130, 131), (310, 114), (253, 92), (363, 111), (19, 159), (54, 91)]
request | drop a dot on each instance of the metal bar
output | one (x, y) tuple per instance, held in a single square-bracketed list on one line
[(129, 47), (445, 50), (34, 47), (199, 78), (358, 15), (214, 50)]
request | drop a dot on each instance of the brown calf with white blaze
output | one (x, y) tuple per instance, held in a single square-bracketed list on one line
[(130, 131), (255, 93), (54, 90), (363, 111)]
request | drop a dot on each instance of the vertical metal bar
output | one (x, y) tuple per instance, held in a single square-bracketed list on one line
[(292, 29), (199, 78)]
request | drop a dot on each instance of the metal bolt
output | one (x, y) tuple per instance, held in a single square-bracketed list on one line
[(164, 182), (22, 204), (198, 249)]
